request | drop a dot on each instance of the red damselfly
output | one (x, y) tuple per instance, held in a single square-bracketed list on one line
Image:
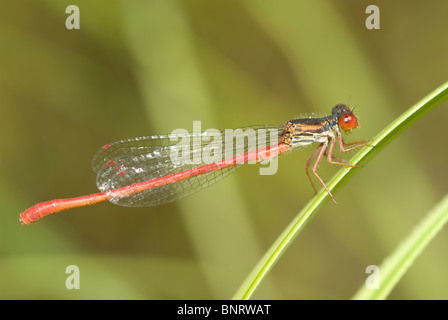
[(143, 172)]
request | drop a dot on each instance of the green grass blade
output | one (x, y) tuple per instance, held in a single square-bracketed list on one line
[(395, 265), (279, 247)]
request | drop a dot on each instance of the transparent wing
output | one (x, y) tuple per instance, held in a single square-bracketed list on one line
[(136, 160)]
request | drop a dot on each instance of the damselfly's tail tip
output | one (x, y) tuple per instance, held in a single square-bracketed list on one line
[(23, 220)]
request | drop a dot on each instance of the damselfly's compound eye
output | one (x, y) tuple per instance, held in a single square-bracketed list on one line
[(348, 121)]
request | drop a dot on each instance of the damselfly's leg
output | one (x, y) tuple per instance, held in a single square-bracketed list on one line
[(322, 148), (330, 154), (359, 144), (335, 157), (307, 165)]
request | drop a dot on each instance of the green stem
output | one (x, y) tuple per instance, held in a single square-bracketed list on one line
[(394, 266)]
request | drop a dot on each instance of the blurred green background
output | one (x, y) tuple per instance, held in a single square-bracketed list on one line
[(138, 68)]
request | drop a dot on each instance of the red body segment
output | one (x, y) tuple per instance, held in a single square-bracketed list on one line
[(46, 208)]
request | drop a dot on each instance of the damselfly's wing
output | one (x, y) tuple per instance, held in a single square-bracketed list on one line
[(127, 162)]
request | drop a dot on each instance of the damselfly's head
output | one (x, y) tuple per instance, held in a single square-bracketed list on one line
[(346, 119)]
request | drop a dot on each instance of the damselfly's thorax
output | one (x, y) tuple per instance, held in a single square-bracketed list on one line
[(302, 132)]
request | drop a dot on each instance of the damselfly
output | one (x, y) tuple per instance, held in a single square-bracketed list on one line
[(141, 171)]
